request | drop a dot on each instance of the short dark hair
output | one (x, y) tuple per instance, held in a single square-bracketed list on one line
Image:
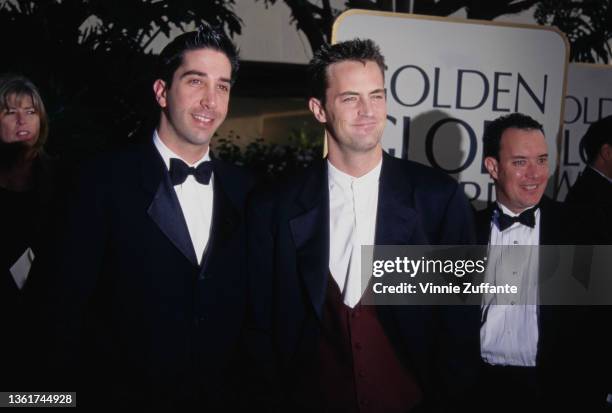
[(361, 50), (206, 37), (18, 86), (598, 134), (494, 130)]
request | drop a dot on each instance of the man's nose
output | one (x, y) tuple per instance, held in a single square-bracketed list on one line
[(209, 99), (365, 107), (533, 170)]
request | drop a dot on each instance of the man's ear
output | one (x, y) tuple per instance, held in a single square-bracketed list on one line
[(606, 152), (159, 87), (491, 164), (317, 109)]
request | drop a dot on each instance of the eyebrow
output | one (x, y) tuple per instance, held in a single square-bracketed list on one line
[(351, 93), (202, 74), (544, 155)]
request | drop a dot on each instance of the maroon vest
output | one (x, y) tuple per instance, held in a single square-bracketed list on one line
[(356, 368)]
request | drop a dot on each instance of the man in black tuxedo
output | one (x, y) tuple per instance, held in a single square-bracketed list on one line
[(146, 299), (324, 349), (533, 356), (594, 185)]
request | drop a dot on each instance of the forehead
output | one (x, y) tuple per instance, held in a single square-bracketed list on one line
[(18, 100), (523, 142), (205, 60), (354, 74)]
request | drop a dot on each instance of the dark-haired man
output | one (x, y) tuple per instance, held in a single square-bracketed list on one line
[(533, 356), (330, 352), (147, 296)]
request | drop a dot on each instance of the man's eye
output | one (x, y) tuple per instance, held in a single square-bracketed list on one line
[(223, 88), (378, 97), (31, 112), (349, 99), (543, 161), (521, 162), (195, 82)]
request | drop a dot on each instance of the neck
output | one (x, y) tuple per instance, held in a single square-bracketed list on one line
[(355, 164), (600, 166), (17, 175), (517, 211), (188, 152)]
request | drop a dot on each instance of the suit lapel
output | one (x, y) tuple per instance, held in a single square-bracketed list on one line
[(165, 209), (483, 224), (310, 230), (396, 218), (225, 217)]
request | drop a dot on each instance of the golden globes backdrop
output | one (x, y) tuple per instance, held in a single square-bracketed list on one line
[(588, 99), (447, 77)]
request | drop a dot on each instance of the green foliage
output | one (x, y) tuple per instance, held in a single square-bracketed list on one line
[(272, 159), (587, 25), (92, 61)]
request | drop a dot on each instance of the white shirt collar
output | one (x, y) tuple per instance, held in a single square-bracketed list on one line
[(344, 180), (508, 212), (601, 173), (167, 153)]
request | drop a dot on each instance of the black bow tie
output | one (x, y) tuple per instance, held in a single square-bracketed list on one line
[(504, 221), (179, 171)]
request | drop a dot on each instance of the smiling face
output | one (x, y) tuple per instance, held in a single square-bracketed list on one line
[(521, 173), (355, 109), (196, 102), (19, 121)]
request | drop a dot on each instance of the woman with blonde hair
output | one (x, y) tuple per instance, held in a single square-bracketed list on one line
[(27, 199)]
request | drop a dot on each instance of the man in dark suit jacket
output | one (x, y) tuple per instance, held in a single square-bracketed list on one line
[(147, 298), (534, 356), (594, 185), (324, 349)]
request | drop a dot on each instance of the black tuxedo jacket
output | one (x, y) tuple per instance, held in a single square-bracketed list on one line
[(133, 318), (570, 359), (289, 271), (590, 188)]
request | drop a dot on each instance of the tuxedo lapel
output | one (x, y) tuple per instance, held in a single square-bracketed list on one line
[(225, 217), (165, 209), (310, 230), (483, 224), (396, 218)]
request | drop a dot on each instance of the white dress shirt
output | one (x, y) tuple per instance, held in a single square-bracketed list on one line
[(509, 335), (196, 200), (353, 203)]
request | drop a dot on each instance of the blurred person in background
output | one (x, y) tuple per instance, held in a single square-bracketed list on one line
[(27, 194)]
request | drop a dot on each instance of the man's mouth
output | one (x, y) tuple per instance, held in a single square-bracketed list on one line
[(531, 187), (206, 119)]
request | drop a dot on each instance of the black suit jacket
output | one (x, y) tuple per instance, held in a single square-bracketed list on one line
[(590, 188), (289, 267), (133, 318), (569, 359)]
